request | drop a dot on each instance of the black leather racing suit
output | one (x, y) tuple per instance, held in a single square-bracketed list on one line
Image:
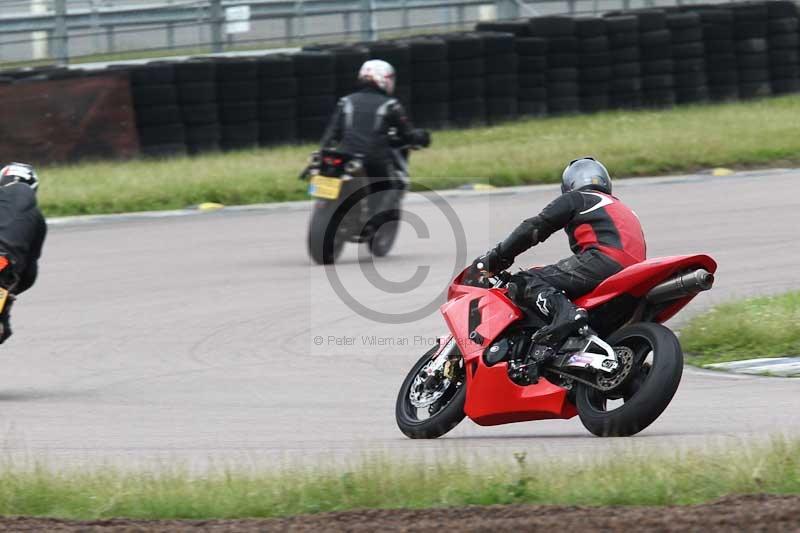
[(361, 125), (605, 236), (22, 233)]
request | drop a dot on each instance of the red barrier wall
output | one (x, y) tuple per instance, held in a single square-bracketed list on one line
[(65, 120)]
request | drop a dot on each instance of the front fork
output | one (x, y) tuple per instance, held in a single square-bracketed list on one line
[(444, 360)]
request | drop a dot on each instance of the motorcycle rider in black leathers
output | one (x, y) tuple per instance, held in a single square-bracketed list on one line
[(22, 234), (370, 123), (604, 234)]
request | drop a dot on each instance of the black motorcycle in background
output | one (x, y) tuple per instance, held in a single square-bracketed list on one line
[(351, 206)]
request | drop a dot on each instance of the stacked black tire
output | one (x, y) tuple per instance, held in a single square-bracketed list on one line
[(277, 103), (197, 96), (465, 54), (626, 68), (532, 69), (430, 90), (688, 53), (784, 46), (237, 99), (502, 83), (750, 34), (655, 44), (722, 69), (518, 28), (158, 117), (594, 63), (316, 92), (562, 62)]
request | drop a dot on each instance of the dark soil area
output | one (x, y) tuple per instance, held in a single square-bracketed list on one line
[(743, 513)]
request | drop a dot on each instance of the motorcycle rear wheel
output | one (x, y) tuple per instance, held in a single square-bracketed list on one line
[(324, 242), (646, 392), (385, 234), (448, 415)]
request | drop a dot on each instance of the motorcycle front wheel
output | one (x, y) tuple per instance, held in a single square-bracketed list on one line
[(428, 406), (655, 372)]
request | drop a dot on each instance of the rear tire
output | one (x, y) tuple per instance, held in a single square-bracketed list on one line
[(439, 423), (647, 393), (385, 235), (324, 242)]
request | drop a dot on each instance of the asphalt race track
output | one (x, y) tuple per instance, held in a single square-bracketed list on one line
[(212, 338)]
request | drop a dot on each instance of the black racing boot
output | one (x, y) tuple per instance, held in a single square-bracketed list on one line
[(565, 318)]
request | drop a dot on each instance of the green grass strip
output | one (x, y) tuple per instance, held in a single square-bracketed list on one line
[(623, 479), (759, 327), (635, 143)]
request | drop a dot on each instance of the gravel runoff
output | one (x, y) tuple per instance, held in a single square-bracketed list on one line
[(743, 513)]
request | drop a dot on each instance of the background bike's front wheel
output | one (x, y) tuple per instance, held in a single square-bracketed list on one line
[(431, 399)]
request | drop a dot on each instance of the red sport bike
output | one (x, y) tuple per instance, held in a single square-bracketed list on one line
[(618, 374)]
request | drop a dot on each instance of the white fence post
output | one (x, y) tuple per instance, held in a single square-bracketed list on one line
[(60, 37), (217, 43), (368, 32), (39, 39)]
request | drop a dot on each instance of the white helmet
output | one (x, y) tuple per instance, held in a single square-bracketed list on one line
[(379, 73), (19, 173)]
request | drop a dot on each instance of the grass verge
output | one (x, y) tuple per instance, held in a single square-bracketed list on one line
[(532, 151), (748, 329), (684, 478)]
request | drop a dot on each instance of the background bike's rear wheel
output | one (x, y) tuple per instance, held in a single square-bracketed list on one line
[(385, 234), (324, 242), (642, 396), (442, 407)]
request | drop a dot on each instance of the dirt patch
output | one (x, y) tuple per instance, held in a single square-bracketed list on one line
[(742, 513)]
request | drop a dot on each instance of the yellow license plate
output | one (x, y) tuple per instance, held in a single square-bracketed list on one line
[(3, 299), (327, 188)]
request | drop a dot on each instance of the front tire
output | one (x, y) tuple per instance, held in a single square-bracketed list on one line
[(450, 410), (646, 393)]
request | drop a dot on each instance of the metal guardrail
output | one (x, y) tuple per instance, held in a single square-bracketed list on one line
[(48, 26), (61, 20)]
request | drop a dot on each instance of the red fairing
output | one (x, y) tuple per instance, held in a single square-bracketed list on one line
[(639, 279), (492, 398), (496, 312)]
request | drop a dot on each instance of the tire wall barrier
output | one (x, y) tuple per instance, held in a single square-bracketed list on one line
[(552, 65)]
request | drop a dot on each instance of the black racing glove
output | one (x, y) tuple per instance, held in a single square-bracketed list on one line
[(493, 262), (422, 138)]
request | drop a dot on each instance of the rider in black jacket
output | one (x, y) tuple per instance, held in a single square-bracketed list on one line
[(371, 121), (22, 234)]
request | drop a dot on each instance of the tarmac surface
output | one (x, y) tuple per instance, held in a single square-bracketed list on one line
[(213, 339)]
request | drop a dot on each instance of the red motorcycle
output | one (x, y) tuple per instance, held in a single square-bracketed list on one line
[(618, 374)]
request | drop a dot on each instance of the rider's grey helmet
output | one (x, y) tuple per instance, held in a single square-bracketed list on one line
[(586, 173)]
